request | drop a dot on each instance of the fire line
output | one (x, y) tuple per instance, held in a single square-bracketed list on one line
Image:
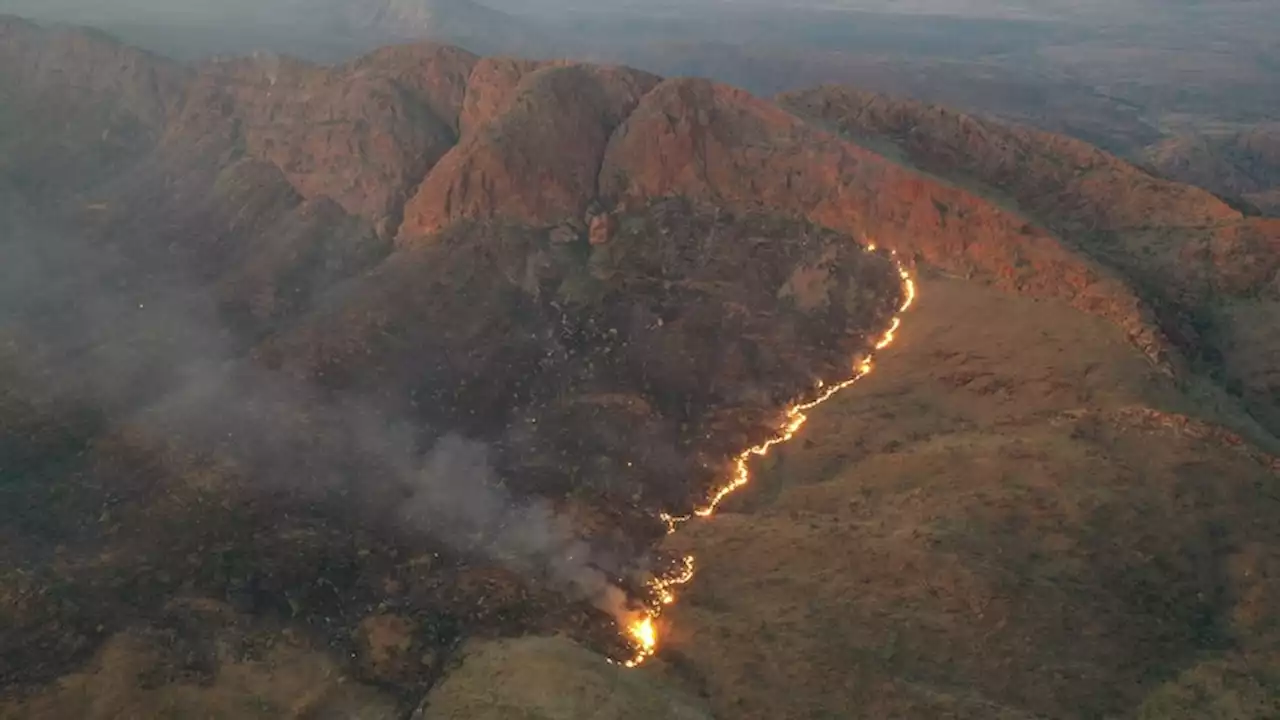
[(642, 631)]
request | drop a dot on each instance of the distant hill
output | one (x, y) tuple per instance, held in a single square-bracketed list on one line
[(323, 29), (470, 24), (1244, 164), (1209, 269)]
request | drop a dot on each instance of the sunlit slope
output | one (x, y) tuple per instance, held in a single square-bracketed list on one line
[(1004, 521), (1209, 271), (552, 679)]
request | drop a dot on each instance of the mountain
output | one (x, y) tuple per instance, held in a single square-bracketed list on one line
[(1120, 77), (332, 30), (470, 24), (328, 389), (1243, 165), (415, 17), (1208, 268)]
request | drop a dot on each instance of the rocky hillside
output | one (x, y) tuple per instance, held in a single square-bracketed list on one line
[(1209, 270), (1242, 165), (333, 384), (110, 103)]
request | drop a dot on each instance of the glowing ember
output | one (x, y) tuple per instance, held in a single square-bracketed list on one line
[(642, 631), (662, 586), (645, 636)]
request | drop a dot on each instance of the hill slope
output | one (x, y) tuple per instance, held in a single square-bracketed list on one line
[(1245, 164), (1209, 271)]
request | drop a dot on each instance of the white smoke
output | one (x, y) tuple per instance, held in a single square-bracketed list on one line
[(85, 327), (457, 492)]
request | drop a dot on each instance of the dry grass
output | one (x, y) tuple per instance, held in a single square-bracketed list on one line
[(941, 541), (153, 672), (551, 679)]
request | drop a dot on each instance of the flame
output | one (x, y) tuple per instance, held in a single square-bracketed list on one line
[(662, 587), (644, 634), (642, 631)]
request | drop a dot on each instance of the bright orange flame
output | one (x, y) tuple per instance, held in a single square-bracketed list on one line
[(643, 631), (663, 586), (644, 634)]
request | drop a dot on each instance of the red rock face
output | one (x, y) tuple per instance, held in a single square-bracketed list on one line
[(601, 229), (416, 138), (1151, 229), (696, 138), (1192, 254), (536, 160), (361, 135), (491, 87), (542, 143), (436, 75), (1069, 182)]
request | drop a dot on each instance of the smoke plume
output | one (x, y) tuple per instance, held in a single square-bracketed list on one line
[(87, 323)]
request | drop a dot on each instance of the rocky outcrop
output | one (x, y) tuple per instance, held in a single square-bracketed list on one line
[(538, 145), (358, 137), (436, 74), (1187, 250), (1153, 230), (1068, 183), (493, 84), (708, 141), (537, 159)]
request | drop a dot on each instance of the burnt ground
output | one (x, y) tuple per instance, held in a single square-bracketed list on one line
[(614, 380)]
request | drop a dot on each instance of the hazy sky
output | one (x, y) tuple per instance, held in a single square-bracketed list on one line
[(976, 8)]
